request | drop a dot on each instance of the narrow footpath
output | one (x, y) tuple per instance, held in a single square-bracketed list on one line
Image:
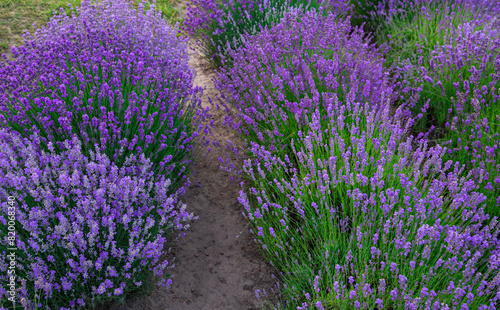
[(214, 269)]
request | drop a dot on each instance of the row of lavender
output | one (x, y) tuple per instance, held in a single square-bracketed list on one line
[(372, 169), (99, 126)]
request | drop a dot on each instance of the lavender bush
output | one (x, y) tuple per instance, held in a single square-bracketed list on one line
[(283, 74), (87, 231), (413, 33), (355, 213), (115, 76), (445, 54), (367, 220), (402, 23), (219, 26), (457, 90)]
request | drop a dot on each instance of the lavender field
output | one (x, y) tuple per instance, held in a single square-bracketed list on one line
[(368, 173)]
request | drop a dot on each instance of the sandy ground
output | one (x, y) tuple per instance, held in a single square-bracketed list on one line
[(214, 269)]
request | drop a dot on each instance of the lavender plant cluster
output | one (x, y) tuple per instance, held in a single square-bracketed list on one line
[(115, 77), (219, 26), (87, 229), (99, 127), (284, 74), (349, 203), (381, 14), (458, 85), (360, 217)]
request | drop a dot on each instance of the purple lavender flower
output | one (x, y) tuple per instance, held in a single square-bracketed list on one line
[(323, 65), (84, 217), (464, 68), (353, 164), (115, 76), (219, 27)]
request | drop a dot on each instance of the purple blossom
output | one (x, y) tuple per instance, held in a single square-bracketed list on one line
[(124, 213), (117, 77), (219, 27)]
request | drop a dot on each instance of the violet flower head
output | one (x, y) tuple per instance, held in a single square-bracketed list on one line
[(115, 76), (99, 225)]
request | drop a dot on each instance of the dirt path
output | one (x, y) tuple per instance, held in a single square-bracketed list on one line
[(213, 268)]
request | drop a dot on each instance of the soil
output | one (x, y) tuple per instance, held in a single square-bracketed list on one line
[(214, 267)]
